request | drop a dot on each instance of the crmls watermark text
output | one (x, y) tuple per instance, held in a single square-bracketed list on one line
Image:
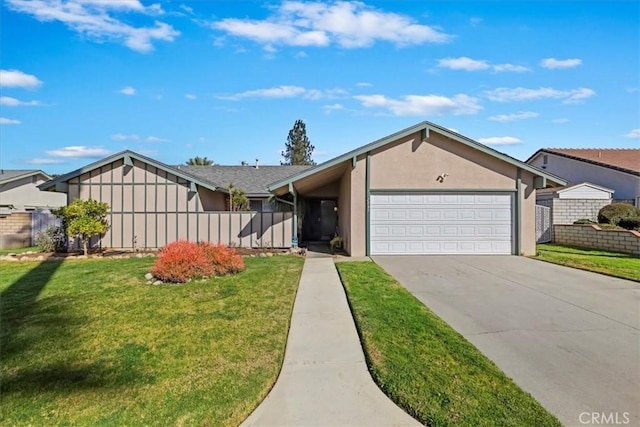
[(598, 418)]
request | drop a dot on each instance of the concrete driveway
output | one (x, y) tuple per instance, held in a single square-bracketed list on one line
[(568, 337)]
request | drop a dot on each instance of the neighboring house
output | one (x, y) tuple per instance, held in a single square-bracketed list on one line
[(615, 168), (19, 191), (580, 201), (423, 190), (253, 180)]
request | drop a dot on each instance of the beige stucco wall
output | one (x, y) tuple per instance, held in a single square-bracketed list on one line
[(344, 210), (358, 208), (412, 163), (328, 191), (150, 208), (24, 193), (528, 215)]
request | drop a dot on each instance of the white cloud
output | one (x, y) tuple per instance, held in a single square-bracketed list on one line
[(7, 101), (572, 96), (521, 115), (420, 105), (186, 8), (463, 63), (558, 64), (123, 137), (578, 95), (96, 20), (560, 120), (287, 92), (274, 92), (128, 90), (349, 24), (16, 78), (363, 84), (41, 161), (635, 133), (333, 107), (501, 68), (190, 96), (6, 121), (468, 64), (79, 152), (500, 140), (156, 139)]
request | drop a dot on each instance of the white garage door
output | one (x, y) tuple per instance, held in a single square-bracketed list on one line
[(426, 223)]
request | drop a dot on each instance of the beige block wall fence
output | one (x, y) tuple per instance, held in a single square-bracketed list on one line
[(15, 230), (592, 236)]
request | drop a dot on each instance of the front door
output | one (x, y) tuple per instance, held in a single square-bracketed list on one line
[(319, 222)]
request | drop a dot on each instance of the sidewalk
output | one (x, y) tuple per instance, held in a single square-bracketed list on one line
[(324, 380)]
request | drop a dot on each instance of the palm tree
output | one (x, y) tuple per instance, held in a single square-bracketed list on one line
[(199, 161)]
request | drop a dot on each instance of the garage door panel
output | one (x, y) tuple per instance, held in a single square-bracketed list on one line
[(441, 224)]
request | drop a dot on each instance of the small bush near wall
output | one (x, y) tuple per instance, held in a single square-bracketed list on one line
[(630, 223), (613, 213), (52, 239), (183, 260), (223, 259)]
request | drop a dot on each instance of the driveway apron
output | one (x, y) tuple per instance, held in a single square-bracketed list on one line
[(324, 379), (568, 337)]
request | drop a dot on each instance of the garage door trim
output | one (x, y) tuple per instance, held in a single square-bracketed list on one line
[(514, 208)]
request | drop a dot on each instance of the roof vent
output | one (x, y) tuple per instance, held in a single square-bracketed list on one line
[(243, 163), (257, 163)]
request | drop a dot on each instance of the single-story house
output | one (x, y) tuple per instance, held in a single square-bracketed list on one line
[(423, 190), (19, 191), (614, 168)]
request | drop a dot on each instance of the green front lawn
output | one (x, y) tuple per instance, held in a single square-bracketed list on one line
[(19, 251), (425, 366), (87, 342), (611, 263)]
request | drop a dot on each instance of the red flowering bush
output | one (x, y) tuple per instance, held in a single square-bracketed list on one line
[(224, 260), (179, 261), (182, 260)]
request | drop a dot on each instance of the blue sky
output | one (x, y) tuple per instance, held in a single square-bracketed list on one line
[(227, 79)]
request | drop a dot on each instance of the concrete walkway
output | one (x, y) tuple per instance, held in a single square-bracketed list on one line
[(324, 380)]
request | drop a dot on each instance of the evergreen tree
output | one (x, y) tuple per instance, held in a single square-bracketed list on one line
[(199, 161), (298, 148)]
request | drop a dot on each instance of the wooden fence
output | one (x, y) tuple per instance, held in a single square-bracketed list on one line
[(137, 230)]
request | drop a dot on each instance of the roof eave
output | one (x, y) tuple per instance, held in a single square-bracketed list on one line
[(425, 127), (26, 175), (123, 155)]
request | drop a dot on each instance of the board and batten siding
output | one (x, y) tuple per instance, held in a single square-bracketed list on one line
[(150, 207)]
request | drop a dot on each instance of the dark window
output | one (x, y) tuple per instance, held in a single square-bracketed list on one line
[(256, 205)]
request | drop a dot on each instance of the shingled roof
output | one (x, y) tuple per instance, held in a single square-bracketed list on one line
[(253, 180), (623, 159)]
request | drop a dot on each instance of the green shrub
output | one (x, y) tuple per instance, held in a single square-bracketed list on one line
[(584, 221), (52, 239), (611, 214), (630, 223)]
